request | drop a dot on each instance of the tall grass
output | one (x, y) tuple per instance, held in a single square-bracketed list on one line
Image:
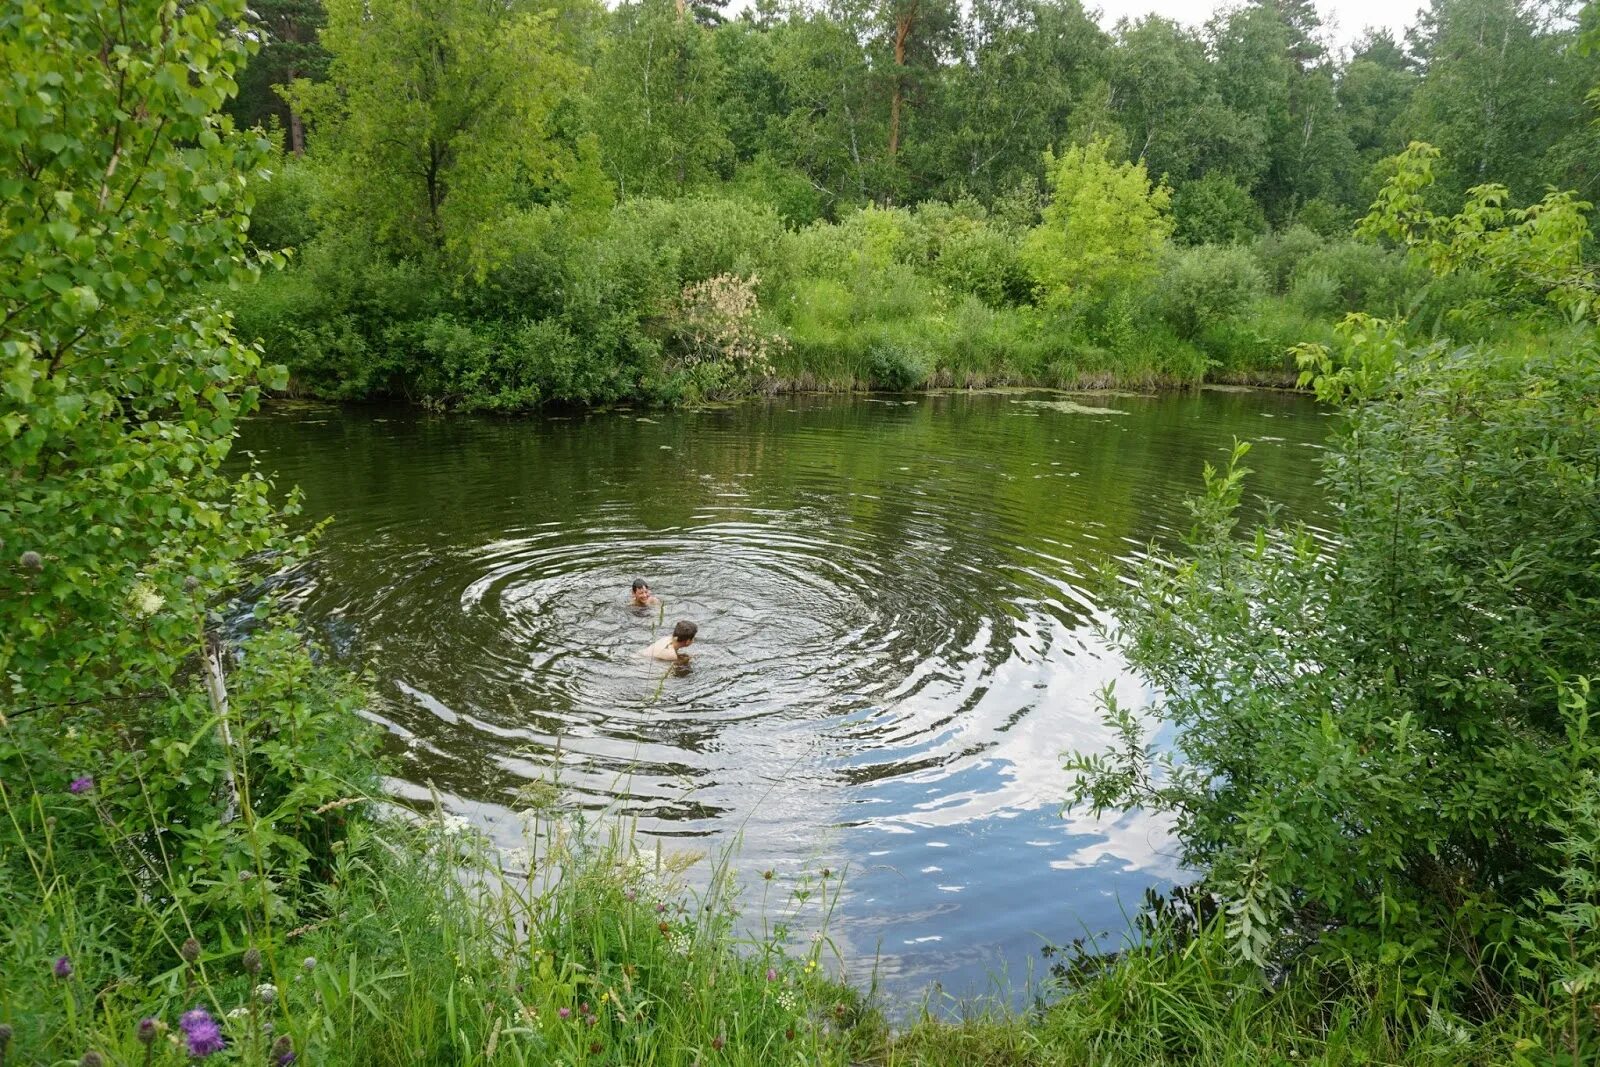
[(434, 947)]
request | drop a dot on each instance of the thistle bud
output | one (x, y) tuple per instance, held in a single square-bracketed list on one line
[(191, 583), (32, 561), (252, 961), (92, 1059), (5, 1036), (148, 1028), (190, 950)]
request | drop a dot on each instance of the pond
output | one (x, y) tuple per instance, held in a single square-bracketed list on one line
[(898, 602)]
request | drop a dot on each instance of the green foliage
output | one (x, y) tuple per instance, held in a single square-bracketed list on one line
[(1353, 275), (1104, 224), (1203, 286), (1532, 256), (1463, 536), (474, 86), (122, 188), (654, 101), (1215, 209)]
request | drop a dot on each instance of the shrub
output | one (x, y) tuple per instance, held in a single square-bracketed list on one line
[(1444, 786), (894, 365), (714, 334), (1280, 254), (1215, 209), (286, 207), (1203, 286), (1351, 275)]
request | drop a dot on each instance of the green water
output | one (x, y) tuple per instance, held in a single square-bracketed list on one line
[(897, 600)]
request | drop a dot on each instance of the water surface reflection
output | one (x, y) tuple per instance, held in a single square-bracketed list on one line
[(897, 601)]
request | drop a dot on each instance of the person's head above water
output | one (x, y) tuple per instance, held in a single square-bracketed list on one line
[(641, 592), (683, 633)]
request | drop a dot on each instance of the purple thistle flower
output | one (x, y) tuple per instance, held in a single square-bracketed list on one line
[(202, 1033), (81, 785), (565, 1013), (287, 1058), (63, 967), (772, 974)]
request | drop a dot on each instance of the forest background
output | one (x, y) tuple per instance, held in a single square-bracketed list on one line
[(495, 206)]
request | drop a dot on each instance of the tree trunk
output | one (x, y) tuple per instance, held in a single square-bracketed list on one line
[(297, 126), (902, 30)]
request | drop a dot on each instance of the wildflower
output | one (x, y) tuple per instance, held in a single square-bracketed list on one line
[(31, 561), (811, 965), (565, 1013), (252, 961), (309, 963), (202, 1033), (660, 908), (81, 785), (772, 974), (630, 896), (664, 927), (63, 967), (717, 1043), (283, 1052), (595, 1048), (92, 1059), (827, 872), (766, 876), (788, 1035), (189, 950), (148, 1028), (145, 600), (266, 992)]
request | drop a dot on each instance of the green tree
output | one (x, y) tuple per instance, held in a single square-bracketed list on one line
[(1104, 225), (916, 37), (656, 101), (829, 126), (1166, 96), (988, 135), (1215, 209), (436, 116), (1375, 89), (290, 50), (122, 189), (1499, 92)]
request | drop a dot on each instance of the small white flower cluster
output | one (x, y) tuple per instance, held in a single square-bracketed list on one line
[(144, 599)]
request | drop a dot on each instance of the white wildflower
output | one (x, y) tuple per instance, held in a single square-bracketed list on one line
[(145, 600)]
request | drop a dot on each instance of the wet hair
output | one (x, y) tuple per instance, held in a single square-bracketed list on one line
[(684, 630), (640, 583)]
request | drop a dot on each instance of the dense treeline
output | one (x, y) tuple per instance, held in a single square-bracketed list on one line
[(500, 205)]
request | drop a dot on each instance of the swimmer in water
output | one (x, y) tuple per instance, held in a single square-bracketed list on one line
[(670, 648), (642, 597)]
